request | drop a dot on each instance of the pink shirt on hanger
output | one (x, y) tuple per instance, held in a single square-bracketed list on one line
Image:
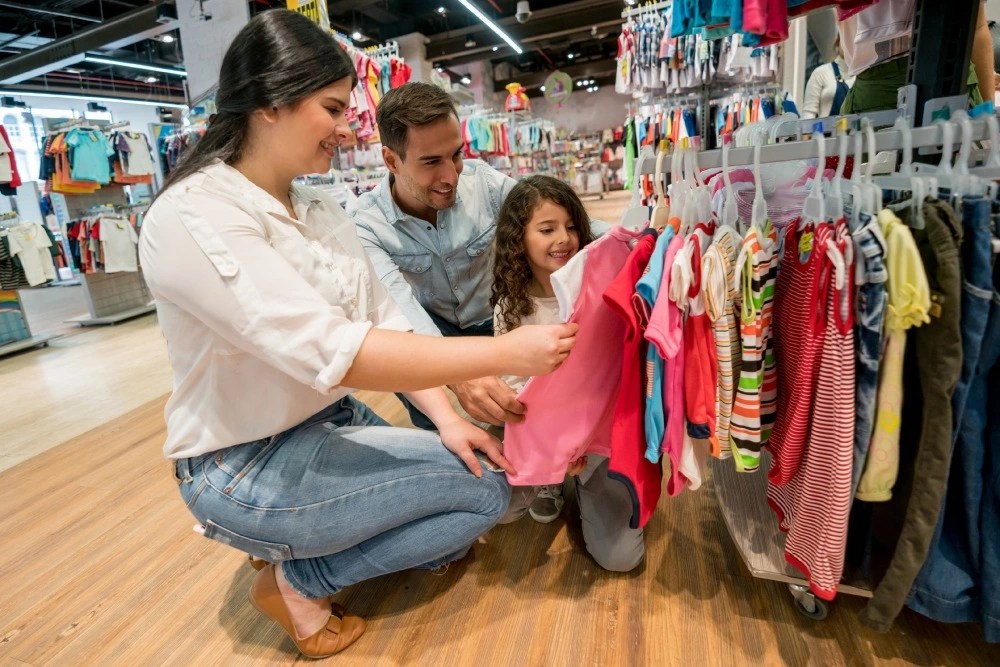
[(569, 411)]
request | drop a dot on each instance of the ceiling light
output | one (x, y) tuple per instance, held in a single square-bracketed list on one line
[(466, 80), (441, 10), (542, 89), (151, 79), (357, 36), (570, 56), (495, 48), (168, 39), (492, 26), (92, 98), (73, 70), (139, 66), (629, 2), (469, 43)]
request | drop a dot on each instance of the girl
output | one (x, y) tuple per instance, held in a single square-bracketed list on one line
[(272, 314), (541, 225)]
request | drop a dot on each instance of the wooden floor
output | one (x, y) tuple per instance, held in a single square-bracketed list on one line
[(99, 565)]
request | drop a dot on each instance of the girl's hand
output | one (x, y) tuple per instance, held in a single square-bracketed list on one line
[(537, 349), (463, 438), (577, 466)]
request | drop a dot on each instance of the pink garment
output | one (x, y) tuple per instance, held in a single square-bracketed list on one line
[(665, 330), (755, 16), (569, 411)]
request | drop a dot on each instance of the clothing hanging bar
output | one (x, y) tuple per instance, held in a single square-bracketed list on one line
[(648, 8), (798, 126), (885, 140)]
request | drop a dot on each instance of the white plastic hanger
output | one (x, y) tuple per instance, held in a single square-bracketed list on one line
[(835, 201), (636, 217), (661, 213), (758, 215), (730, 214), (814, 207), (874, 193)]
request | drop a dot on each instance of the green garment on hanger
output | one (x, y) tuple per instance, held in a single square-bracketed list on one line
[(875, 88)]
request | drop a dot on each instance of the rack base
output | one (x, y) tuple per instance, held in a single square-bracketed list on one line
[(753, 526), (25, 344), (114, 318)]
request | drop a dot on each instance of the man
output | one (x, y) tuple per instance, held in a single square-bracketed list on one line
[(428, 228)]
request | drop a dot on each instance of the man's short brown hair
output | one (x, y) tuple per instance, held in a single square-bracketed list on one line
[(410, 105)]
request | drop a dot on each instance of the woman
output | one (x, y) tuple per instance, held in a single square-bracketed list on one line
[(827, 88), (272, 317)]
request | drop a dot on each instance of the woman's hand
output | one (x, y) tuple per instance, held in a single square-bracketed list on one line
[(537, 349), (462, 438)]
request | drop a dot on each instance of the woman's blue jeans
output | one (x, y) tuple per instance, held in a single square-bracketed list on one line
[(342, 498)]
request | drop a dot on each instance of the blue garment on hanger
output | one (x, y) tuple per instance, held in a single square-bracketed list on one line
[(767, 107)]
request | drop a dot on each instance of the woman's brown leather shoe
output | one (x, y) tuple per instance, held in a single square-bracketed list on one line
[(341, 630), (257, 563)]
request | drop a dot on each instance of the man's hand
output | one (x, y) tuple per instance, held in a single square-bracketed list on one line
[(463, 439), (490, 400), (576, 467)]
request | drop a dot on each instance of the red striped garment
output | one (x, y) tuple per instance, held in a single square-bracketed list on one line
[(798, 336), (813, 507)]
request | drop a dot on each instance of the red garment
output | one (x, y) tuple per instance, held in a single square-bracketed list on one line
[(399, 74), (701, 367), (628, 463), (15, 179), (814, 506), (797, 343)]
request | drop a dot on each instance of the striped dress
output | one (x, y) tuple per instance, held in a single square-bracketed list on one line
[(798, 337), (718, 273), (756, 391), (813, 507)]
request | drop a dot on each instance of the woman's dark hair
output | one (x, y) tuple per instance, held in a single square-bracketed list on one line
[(278, 58), (511, 271)]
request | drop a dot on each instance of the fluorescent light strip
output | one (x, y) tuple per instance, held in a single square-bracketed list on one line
[(91, 98), (147, 68), (491, 25)]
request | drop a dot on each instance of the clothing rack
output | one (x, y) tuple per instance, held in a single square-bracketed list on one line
[(69, 125), (648, 8), (116, 126), (15, 333), (111, 297), (386, 50), (889, 139)]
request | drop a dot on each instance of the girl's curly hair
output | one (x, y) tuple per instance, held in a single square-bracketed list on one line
[(511, 272)]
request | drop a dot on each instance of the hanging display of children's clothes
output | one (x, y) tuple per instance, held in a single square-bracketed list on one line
[(27, 256), (9, 177)]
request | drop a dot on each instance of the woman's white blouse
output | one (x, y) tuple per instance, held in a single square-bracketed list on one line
[(263, 314)]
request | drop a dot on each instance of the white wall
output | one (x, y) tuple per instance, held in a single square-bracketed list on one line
[(583, 112), (993, 10)]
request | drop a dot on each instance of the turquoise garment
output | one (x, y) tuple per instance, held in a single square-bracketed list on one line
[(89, 155), (648, 288)]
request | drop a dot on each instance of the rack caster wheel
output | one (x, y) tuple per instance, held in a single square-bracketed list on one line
[(808, 604)]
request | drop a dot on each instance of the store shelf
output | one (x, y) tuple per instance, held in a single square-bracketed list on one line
[(25, 344), (88, 321)]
